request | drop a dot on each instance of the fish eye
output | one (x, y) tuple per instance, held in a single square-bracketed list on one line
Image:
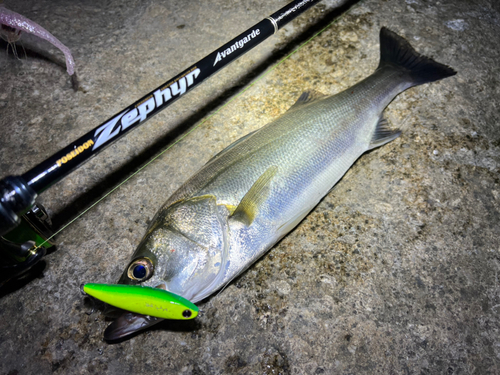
[(140, 269), (186, 313)]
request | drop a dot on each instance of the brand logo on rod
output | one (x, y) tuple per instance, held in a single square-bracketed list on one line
[(138, 114), (238, 44)]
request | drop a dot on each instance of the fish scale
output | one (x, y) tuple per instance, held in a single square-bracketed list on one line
[(259, 188)]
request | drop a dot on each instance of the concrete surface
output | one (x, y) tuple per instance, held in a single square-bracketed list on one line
[(395, 271)]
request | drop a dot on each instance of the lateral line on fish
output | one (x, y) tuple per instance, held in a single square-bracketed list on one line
[(181, 138)]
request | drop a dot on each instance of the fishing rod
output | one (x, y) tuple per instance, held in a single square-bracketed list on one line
[(26, 243)]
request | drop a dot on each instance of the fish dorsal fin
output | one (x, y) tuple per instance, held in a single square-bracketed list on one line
[(383, 134), (253, 199), (306, 98)]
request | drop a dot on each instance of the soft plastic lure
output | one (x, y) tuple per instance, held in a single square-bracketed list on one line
[(12, 24), (143, 300)]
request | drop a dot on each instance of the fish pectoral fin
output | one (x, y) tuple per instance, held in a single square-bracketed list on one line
[(306, 98), (253, 199), (383, 134)]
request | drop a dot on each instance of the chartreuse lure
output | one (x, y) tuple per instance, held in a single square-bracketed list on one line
[(143, 300)]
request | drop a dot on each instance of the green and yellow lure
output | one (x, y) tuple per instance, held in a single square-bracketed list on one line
[(143, 300)]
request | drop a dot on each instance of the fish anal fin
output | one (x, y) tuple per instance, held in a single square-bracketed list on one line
[(249, 206), (383, 134), (306, 98)]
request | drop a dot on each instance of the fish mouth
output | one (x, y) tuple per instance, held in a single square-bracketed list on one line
[(127, 324)]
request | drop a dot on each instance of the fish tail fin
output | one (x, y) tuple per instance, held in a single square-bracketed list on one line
[(396, 51)]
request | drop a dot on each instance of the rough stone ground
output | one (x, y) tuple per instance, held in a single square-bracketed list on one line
[(395, 271)]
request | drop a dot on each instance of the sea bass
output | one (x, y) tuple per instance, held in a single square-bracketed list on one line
[(251, 194)]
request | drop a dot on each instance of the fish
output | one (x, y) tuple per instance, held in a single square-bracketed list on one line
[(255, 191)]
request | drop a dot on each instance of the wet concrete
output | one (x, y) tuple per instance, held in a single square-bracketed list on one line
[(395, 271)]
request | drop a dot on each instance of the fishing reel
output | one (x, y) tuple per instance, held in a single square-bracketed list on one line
[(25, 245), (25, 229)]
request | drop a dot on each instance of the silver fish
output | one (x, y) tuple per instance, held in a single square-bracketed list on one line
[(259, 188)]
